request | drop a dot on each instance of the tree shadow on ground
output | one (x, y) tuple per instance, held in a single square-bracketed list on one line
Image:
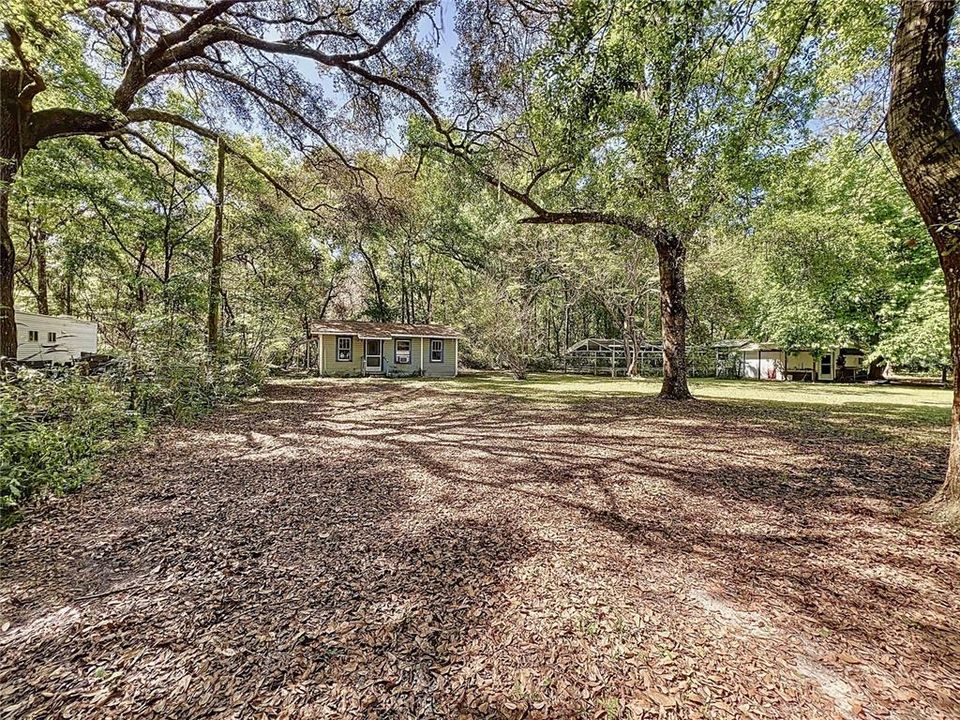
[(245, 577), (362, 549), (788, 507)]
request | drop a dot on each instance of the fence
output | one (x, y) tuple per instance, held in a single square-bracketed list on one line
[(612, 360)]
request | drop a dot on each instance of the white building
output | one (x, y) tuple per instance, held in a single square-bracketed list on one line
[(57, 339), (766, 361)]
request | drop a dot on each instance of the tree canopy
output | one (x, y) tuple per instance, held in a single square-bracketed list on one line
[(669, 173)]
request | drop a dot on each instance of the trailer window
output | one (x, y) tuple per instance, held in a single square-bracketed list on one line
[(33, 336), (51, 337)]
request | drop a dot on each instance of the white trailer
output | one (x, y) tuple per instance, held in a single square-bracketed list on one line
[(57, 339)]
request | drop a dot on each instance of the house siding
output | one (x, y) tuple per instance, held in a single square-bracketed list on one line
[(391, 367), (803, 365), (768, 366), (329, 353), (74, 337), (419, 348), (447, 368)]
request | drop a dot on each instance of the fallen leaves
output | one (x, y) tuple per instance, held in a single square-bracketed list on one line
[(378, 553)]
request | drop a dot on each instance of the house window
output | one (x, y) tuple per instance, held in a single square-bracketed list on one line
[(825, 365), (344, 348), (436, 351), (51, 337), (33, 336), (402, 352)]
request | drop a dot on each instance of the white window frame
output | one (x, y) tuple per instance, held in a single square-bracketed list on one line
[(433, 351), (33, 336), (402, 357), (51, 336), (341, 349)]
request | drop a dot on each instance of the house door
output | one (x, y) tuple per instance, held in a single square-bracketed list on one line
[(826, 367), (373, 355)]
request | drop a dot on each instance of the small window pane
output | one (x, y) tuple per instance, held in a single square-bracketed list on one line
[(344, 349), (436, 351)]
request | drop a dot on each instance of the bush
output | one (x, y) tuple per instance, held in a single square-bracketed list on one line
[(55, 424), (184, 388), (52, 427)]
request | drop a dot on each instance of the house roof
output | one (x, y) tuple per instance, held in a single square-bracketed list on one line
[(380, 330), (18, 314)]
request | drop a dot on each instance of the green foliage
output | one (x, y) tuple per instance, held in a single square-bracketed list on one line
[(666, 109), (503, 323), (920, 337), (837, 254), (52, 429), (55, 426), (170, 375)]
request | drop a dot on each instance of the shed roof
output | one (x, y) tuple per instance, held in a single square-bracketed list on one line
[(754, 346), (734, 343), (381, 330), (773, 347), (607, 344)]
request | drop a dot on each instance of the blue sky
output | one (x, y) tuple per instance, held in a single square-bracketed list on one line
[(444, 47)]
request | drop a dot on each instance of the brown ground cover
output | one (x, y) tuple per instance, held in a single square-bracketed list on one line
[(395, 550)]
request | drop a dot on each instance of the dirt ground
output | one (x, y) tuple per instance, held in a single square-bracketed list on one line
[(397, 550)]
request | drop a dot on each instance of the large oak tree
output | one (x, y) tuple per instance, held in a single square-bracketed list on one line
[(239, 59), (925, 144), (642, 116)]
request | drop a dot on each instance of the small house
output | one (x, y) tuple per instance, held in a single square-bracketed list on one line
[(767, 361), (54, 339), (387, 349)]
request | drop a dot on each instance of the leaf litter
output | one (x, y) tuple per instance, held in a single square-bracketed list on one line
[(365, 549)]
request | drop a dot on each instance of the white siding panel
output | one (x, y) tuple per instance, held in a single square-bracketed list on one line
[(767, 365), (74, 337)]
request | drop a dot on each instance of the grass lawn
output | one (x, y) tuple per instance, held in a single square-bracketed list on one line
[(564, 547), (924, 401)]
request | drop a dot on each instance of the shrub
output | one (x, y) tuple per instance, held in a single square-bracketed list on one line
[(182, 388), (52, 427), (55, 424)]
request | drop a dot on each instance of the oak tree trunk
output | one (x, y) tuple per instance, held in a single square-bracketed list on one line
[(925, 145), (671, 255), (12, 119), (216, 260), (947, 499), (8, 324)]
